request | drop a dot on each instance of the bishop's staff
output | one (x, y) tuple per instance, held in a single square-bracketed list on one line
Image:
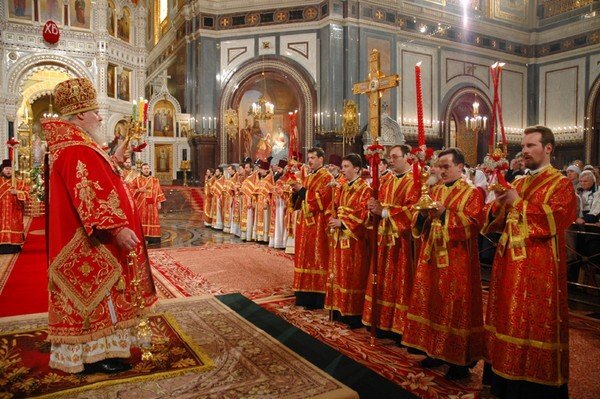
[(374, 88)]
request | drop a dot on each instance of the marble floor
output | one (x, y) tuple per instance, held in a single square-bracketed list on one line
[(181, 226)]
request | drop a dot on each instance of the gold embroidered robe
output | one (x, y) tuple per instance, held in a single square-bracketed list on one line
[(90, 283), (395, 254), (348, 253), (312, 244), (527, 334), (147, 203), (207, 205), (12, 207), (445, 315)]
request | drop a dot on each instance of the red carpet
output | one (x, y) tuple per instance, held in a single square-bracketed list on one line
[(29, 276), (195, 194), (400, 367), (254, 270)]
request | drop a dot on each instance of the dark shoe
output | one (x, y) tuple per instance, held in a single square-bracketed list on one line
[(414, 351), (430, 362), (107, 366), (457, 372)]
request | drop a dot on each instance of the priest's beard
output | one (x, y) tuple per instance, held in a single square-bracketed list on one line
[(5, 176)]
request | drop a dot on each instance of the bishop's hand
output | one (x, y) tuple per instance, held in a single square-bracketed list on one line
[(127, 239)]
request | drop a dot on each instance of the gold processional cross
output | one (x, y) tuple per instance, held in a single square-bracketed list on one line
[(374, 88)]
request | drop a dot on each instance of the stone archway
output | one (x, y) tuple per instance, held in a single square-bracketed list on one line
[(274, 68), (592, 125), (30, 65), (460, 105)]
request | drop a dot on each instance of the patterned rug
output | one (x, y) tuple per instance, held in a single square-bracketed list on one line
[(254, 270), (247, 362), (400, 367), (24, 357)]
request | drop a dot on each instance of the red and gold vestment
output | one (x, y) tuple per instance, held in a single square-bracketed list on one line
[(207, 205), (247, 203), (263, 191), (12, 207), (397, 194), (148, 195), (348, 253), (90, 282), (445, 315), (527, 334), (312, 243)]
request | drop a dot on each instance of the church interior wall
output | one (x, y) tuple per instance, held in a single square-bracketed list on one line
[(551, 56)]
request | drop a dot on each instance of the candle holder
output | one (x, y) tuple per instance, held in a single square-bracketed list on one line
[(184, 167), (425, 202), (494, 164), (143, 333)]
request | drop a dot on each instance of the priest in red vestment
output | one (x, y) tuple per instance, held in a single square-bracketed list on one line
[(445, 314), (348, 258), (397, 194), (12, 206), (148, 198), (312, 243), (92, 230), (207, 205), (527, 335)]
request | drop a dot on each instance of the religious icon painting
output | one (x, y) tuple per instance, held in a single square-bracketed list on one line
[(163, 155), (123, 25), (111, 82), (51, 10), (163, 117), (20, 10), (124, 85), (80, 14), (111, 16)]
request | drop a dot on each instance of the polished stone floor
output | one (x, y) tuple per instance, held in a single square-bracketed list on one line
[(181, 226)]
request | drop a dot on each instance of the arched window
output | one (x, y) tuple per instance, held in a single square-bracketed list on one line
[(124, 25), (161, 18), (111, 16)]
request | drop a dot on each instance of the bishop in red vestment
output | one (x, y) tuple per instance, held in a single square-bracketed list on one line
[(12, 206), (312, 243), (348, 253), (445, 314), (527, 318), (92, 229), (148, 198)]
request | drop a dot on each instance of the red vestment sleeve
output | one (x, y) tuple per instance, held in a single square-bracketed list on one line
[(92, 190)]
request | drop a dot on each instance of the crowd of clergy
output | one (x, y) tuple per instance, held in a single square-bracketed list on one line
[(418, 282)]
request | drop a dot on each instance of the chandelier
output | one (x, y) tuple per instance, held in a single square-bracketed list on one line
[(50, 113), (476, 122), (262, 109)]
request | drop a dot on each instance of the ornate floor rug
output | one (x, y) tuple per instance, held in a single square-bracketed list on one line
[(254, 270), (246, 361), (24, 357), (400, 367)]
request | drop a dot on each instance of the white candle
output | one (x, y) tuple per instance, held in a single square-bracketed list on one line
[(203, 122)]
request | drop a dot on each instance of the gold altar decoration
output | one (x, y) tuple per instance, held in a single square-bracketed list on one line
[(425, 201), (184, 167), (231, 124), (350, 128)]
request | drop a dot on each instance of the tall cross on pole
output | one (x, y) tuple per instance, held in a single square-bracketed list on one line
[(374, 88)]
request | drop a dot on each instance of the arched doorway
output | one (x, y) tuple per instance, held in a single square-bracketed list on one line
[(473, 142), (264, 138), (288, 86), (592, 125)]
